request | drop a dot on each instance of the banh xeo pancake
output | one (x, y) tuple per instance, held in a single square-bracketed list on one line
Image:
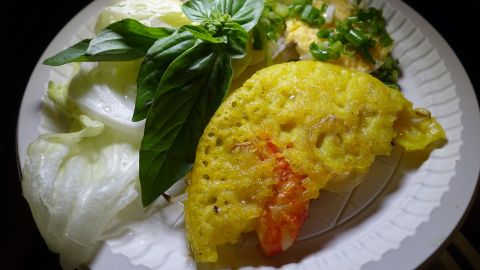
[(291, 130)]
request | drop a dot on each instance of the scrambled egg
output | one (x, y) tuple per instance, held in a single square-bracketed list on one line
[(326, 123)]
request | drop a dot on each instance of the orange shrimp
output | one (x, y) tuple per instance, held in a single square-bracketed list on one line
[(286, 211)]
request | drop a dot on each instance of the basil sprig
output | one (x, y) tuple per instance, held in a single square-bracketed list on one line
[(120, 41), (184, 77)]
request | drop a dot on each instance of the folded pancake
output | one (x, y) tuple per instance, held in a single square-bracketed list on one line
[(289, 131)]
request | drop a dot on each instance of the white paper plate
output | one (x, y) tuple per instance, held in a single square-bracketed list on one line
[(397, 218)]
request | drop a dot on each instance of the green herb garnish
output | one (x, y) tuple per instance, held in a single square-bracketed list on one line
[(182, 80), (326, 51), (297, 6), (121, 41), (271, 24), (357, 34), (304, 10), (269, 28), (311, 15), (324, 33), (389, 72)]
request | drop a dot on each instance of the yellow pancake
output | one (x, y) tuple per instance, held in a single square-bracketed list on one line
[(328, 123)]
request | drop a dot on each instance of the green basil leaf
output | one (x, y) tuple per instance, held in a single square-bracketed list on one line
[(197, 10), (203, 34), (158, 58), (190, 91), (237, 40), (126, 35), (121, 41), (244, 12), (76, 53)]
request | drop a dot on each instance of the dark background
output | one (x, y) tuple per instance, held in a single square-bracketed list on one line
[(28, 27)]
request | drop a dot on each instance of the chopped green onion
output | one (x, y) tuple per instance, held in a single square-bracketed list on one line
[(325, 52), (369, 14), (295, 10), (323, 8), (385, 40), (388, 72), (324, 33), (351, 20), (271, 22), (319, 53), (349, 50), (341, 27), (364, 15), (366, 54), (319, 21), (336, 48), (356, 34), (271, 35), (356, 37), (378, 26), (274, 18), (297, 6), (370, 43), (310, 14), (329, 13), (281, 9)]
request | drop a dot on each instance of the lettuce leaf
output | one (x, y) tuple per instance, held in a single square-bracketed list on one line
[(154, 13), (106, 92), (76, 183)]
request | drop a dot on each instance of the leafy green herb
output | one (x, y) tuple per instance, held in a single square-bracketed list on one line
[(270, 25), (322, 53), (326, 51), (244, 12), (310, 14), (269, 28), (198, 10), (305, 10), (121, 41), (389, 72), (324, 33), (197, 81), (385, 40), (357, 34), (190, 91), (297, 6), (154, 65), (357, 38), (182, 80)]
